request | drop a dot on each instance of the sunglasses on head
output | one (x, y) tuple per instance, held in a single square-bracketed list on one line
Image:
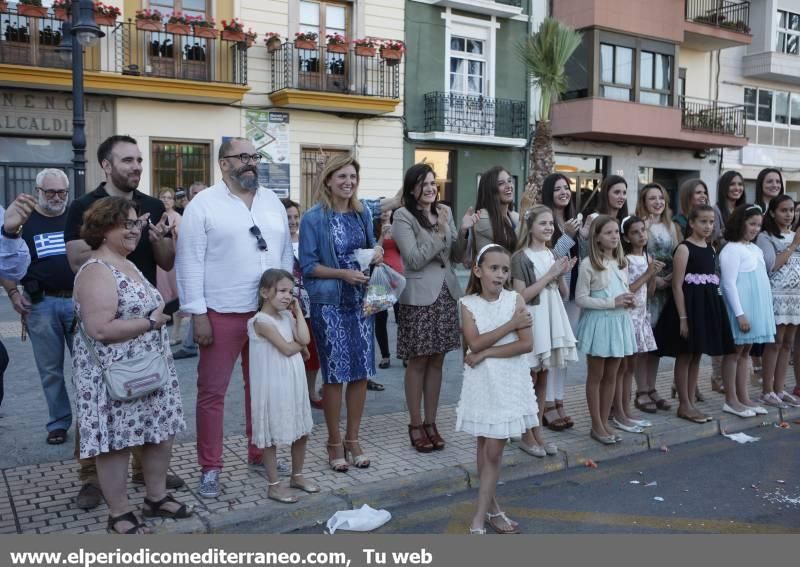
[(260, 242)]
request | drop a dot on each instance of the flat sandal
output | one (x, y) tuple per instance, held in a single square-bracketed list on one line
[(129, 517), (511, 529), (155, 509)]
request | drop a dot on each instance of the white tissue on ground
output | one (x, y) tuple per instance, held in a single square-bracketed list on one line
[(364, 519), (741, 437)]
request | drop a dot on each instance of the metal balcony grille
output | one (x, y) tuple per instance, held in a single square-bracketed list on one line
[(475, 115), (721, 13), (712, 116)]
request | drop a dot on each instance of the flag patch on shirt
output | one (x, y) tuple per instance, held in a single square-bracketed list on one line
[(49, 244)]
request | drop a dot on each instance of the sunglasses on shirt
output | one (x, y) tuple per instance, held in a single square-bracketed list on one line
[(260, 242)]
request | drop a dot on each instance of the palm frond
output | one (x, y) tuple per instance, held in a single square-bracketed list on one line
[(546, 54)]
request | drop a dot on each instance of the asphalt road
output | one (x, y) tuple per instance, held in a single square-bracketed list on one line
[(713, 486)]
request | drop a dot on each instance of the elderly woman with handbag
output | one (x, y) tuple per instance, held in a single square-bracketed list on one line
[(126, 383)]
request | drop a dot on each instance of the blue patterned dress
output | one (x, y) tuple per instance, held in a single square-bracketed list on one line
[(344, 336)]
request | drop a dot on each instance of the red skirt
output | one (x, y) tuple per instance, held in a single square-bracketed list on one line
[(312, 364)]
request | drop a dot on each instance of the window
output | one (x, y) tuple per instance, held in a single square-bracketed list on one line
[(750, 97), (795, 110), (312, 160), (467, 66), (788, 33), (188, 7), (179, 164), (655, 78), (616, 71), (781, 100), (764, 105), (772, 107), (324, 18)]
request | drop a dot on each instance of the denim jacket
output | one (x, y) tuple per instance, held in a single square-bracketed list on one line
[(316, 247)]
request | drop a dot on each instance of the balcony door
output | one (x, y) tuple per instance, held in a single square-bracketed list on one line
[(179, 56), (470, 108), (318, 68)]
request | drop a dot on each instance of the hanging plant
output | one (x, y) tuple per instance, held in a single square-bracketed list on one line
[(149, 20), (305, 40), (273, 41)]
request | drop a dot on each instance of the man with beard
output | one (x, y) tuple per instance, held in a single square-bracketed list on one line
[(121, 161), (46, 302), (230, 234)]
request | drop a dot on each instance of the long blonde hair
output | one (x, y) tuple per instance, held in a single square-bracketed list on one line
[(524, 237), (666, 215), (596, 256), (332, 165)]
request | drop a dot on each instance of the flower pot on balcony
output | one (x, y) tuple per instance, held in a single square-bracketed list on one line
[(249, 42), (233, 35), (149, 25), (209, 33), (178, 29), (392, 56), (60, 13), (273, 44), (105, 20), (337, 48), (32, 11), (305, 44), (364, 51)]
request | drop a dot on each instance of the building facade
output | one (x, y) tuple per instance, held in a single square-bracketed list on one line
[(180, 93), (643, 99), (466, 104)]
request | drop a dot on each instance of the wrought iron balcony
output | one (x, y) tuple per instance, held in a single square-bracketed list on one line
[(475, 115), (726, 14), (714, 117), (125, 50), (333, 69)]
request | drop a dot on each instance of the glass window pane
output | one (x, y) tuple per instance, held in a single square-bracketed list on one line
[(764, 106), (663, 72), (335, 18), (782, 108), (475, 68), (750, 103), (653, 98), (616, 93), (475, 85), (196, 5), (606, 63), (457, 44), (792, 44), (474, 46), (781, 19), (794, 22), (795, 120), (309, 14), (623, 68), (646, 70)]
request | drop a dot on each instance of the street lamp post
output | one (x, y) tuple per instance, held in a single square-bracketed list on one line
[(81, 32)]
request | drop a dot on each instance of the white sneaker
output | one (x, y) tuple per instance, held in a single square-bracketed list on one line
[(772, 399), (789, 399)]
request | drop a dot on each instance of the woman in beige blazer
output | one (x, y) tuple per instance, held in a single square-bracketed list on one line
[(428, 318)]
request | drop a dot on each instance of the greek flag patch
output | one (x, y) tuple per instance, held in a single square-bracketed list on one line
[(49, 244)]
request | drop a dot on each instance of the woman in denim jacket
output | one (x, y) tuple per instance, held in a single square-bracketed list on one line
[(330, 232)]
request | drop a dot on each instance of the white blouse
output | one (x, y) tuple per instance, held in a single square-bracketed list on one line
[(737, 257)]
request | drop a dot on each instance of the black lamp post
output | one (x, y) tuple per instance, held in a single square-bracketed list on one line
[(83, 29)]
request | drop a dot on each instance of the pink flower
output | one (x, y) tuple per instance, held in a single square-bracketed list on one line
[(701, 279)]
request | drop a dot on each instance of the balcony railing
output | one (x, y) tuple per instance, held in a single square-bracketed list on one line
[(724, 14), (516, 3), (322, 69), (711, 116), (475, 115), (125, 50)]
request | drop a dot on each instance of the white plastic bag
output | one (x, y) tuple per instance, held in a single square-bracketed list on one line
[(364, 256), (364, 519), (383, 290)]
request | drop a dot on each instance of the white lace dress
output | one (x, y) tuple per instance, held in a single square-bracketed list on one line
[(497, 397), (553, 339), (281, 411)]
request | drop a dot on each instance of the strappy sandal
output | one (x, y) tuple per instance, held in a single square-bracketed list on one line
[(559, 409), (358, 461), (57, 437), (477, 531), (510, 528), (337, 465), (375, 386), (421, 442), (291, 499), (129, 517), (433, 435), (152, 509), (661, 403), (557, 424), (647, 407), (304, 485)]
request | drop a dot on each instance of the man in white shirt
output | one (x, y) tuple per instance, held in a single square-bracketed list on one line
[(230, 234)]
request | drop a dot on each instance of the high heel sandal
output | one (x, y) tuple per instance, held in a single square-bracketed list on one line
[(557, 424), (421, 442), (511, 527), (340, 464), (433, 435), (568, 419), (358, 461)]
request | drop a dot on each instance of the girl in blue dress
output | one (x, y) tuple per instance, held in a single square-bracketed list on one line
[(605, 330)]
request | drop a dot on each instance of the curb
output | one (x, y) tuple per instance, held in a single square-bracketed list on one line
[(279, 518)]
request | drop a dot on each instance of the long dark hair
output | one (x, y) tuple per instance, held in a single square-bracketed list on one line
[(415, 175), (269, 280), (762, 175), (602, 206), (502, 230), (548, 189), (770, 225), (624, 228), (723, 185), (734, 228)]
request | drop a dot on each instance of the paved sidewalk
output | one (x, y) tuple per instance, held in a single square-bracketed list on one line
[(39, 498)]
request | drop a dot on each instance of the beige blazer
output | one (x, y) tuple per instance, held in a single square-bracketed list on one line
[(590, 280), (428, 259)]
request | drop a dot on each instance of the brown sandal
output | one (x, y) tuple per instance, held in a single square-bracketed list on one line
[(647, 407), (558, 424), (421, 442), (661, 403), (433, 435), (559, 409)]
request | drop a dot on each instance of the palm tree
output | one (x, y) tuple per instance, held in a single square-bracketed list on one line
[(546, 53)]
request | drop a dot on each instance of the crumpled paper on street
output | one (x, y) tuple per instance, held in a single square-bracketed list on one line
[(364, 519), (741, 437)]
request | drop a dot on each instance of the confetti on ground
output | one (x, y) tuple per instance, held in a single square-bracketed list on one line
[(634, 482), (781, 481), (741, 437), (783, 425), (781, 498), (591, 464), (658, 499), (654, 483)]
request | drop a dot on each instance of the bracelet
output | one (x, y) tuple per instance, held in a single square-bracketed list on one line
[(12, 290)]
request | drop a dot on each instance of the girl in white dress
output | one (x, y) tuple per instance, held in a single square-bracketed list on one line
[(538, 277), (279, 393), (497, 397)]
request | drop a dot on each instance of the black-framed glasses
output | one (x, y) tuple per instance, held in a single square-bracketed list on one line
[(247, 158), (262, 244), (50, 193), (131, 224)]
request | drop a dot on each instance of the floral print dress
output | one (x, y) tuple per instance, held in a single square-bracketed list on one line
[(108, 425)]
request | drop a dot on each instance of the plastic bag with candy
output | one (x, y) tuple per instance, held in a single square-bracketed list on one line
[(383, 290)]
